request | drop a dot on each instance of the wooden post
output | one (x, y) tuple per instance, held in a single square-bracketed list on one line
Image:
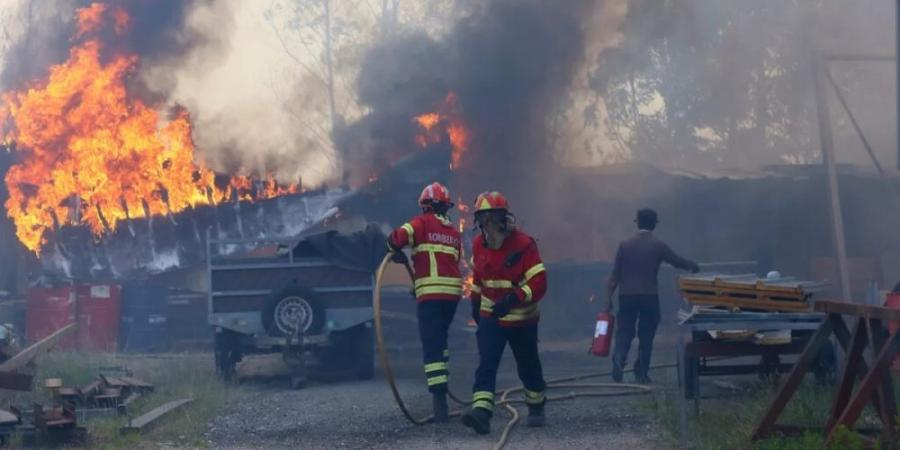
[(853, 409), (827, 145), (850, 372), (767, 424), (876, 383), (330, 69)]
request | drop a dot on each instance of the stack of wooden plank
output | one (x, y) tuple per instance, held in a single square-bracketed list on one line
[(106, 391), (748, 291)]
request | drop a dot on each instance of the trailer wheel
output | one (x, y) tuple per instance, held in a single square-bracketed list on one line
[(291, 308), (365, 352), (227, 353)]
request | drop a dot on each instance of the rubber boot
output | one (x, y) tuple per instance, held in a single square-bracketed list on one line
[(441, 410), (536, 415), (478, 419)]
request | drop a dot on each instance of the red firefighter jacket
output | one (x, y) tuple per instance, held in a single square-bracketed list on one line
[(515, 267), (436, 251)]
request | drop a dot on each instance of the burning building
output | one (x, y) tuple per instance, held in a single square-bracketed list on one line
[(106, 180)]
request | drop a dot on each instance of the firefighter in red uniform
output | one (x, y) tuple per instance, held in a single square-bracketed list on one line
[(435, 244), (508, 282)]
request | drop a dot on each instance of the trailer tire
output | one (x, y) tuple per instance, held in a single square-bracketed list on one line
[(292, 304), (227, 353)]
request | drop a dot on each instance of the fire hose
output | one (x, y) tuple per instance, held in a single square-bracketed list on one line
[(611, 389)]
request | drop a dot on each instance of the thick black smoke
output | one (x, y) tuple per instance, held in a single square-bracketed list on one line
[(510, 63), (156, 33)]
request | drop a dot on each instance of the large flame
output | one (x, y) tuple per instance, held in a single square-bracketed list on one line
[(447, 120), (88, 153)]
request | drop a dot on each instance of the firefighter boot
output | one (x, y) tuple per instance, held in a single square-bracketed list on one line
[(478, 419), (441, 410), (536, 415)]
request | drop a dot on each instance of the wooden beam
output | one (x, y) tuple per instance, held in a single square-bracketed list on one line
[(145, 421), (852, 309), (767, 423), (22, 358), (828, 160), (850, 373), (886, 394), (867, 388)]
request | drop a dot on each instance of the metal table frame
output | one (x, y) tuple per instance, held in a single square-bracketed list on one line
[(700, 323)]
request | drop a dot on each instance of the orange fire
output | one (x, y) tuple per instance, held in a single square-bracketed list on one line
[(451, 124), (89, 19), (88, 153)]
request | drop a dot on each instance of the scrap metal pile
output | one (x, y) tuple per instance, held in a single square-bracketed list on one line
[(61, 421), (748, 291)]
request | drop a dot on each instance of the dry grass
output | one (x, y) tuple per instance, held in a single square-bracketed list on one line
[(728, 420)]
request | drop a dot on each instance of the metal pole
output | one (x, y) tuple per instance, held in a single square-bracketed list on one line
[(825, 140)]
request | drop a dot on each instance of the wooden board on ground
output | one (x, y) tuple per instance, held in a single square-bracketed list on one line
[(143, 422), (137, 383)]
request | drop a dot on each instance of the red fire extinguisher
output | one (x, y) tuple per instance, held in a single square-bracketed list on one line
[(603, 332)]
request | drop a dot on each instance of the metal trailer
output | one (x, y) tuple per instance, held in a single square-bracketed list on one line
[(317, 314)]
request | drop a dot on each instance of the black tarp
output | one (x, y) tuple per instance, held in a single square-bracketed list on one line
[(362, 251)]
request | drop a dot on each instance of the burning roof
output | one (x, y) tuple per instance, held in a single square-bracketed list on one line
[(90, 152)]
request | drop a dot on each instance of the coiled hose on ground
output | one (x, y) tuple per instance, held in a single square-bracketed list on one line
[(600, 389)]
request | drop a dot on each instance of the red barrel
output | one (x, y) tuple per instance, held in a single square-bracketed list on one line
[(47, 310), (603, 334), (893, 301), (99, 309)]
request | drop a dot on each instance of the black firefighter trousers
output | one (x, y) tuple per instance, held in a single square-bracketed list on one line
[(644, 311), (492, 340), (435, 317)]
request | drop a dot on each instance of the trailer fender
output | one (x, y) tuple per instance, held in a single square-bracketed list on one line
[(337, 319)]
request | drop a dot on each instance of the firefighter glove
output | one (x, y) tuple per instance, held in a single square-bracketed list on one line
[(502, 307), (399, 257)]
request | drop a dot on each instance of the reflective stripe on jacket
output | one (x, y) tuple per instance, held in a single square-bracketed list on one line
[(496, 274), (435, 245)]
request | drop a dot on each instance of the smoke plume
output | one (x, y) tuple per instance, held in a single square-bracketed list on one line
[(510, 65), (156, 31)]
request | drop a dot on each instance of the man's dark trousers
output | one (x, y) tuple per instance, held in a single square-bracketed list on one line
[(644, 310)]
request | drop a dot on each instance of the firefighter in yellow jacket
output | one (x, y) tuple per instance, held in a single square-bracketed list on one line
[(436, 251)]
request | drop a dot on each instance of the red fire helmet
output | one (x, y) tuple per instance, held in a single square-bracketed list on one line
[(490, 200), (434, 192)]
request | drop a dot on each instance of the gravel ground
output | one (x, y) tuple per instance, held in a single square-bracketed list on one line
[(264, 413), (362, 414)]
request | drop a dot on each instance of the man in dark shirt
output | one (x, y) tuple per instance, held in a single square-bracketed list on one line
[(634, 275)]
